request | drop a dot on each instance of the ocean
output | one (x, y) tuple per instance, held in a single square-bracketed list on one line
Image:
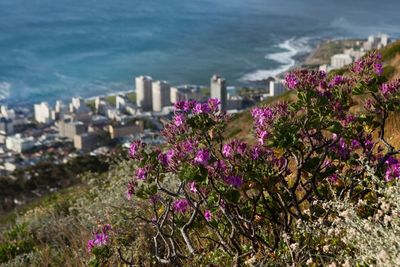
[(58, 49)]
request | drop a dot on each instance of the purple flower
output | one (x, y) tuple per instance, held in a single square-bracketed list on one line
[(181, 205), (234, 181), (201, 108), (261, 136), (392, 172), (188, 105), (371, 63), (90, 245), (202, 157), (358, 66), (131, 190), (240, 148), (178, 120), (227, 150), (337, 80), (262, 115), (193, 187), (134, 148), (141, 173), (355, 144), (179, 105), (369, 145), (391, 161), (390, 88), (188, 146), (255, 154), (291, 81), (333, 178), (100, 239), (378, 69), (213, 104), (166, 158), (207, 215)]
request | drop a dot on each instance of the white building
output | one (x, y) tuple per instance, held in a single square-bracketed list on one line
[(121, 102), (276, 88), (78, 106), (355, 54), (101, 105), (60, 110), (384, 39), (218, 90), (376, 42), (19, 144), (176, 95), (144, 97), (340, 60), (161, 95), (7, 113), (43, 113)]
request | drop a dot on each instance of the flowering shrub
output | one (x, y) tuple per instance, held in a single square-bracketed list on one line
[(99, 246), (245, 199)]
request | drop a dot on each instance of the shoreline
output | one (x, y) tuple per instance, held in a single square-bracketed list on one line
[(301, 59)]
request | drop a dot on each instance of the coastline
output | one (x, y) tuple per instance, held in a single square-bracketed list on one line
[(311, 53)]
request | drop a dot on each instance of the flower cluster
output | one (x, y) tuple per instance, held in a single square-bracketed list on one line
[(392, 169), (181, 205), (312, 147), (101, 238), (304, 79), (369, 66), (264, 118), (391, 88)]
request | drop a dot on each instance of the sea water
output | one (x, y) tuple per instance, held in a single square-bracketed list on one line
[(58, 49)]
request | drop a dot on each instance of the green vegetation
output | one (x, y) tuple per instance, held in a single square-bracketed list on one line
[(91, 104), (26, 184), (131, 97), (391, 51), (111, 100), (205, 91)]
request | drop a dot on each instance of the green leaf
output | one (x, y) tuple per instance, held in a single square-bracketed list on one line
[(336, 127), (311, 164), (232, 195)]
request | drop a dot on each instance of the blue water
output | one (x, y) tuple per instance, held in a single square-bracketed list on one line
[(56, 49)]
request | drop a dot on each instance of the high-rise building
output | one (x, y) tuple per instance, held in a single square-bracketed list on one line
[(176, 95), (78, 106), (6, 126), (7, 113), (121, 102), (144, 92), (161, 95), (276, 88), (218, 90), (43, 113)]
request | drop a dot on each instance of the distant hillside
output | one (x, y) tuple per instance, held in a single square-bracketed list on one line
[(391, 56)]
